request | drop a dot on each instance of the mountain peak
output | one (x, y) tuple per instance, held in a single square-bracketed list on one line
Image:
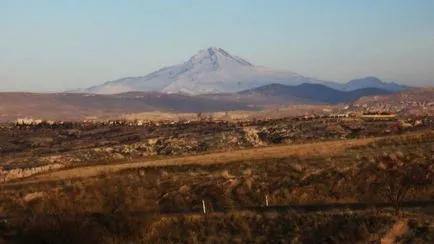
[(217, 57), (210, 70), (214, 51)]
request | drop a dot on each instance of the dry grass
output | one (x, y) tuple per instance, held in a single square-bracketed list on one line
[(263, 228), (124, 206), (302, 150)]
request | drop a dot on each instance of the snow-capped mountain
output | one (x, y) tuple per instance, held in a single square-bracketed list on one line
[(211, 70)]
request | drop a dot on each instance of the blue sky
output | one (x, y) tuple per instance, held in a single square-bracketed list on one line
[(55, 45)]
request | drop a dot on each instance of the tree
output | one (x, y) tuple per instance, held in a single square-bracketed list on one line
[(393, 177)]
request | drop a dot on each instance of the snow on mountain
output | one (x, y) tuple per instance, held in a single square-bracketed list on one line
[(211, 70)]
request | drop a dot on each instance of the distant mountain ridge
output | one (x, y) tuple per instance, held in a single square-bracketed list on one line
[(76, 106), (213, 70), (372, 82), (315, 93)]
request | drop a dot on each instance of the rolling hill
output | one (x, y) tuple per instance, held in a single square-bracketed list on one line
[(314, 93), (372, 82)]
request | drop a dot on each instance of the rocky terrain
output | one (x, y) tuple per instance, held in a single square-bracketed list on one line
[(31, 150), (284, 198), (411, 102)]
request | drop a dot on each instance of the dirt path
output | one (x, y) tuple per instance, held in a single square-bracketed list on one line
[(399, 229), (309, 149)]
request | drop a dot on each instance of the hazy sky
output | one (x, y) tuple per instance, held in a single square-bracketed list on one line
[(54, 45)]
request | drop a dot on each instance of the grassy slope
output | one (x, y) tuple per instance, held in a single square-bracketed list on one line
[(240, 177), (309, 149)]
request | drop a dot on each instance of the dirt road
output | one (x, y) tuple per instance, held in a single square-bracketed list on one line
[(310, 149)]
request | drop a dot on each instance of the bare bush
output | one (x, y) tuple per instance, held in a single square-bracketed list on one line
[(393, 177)]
